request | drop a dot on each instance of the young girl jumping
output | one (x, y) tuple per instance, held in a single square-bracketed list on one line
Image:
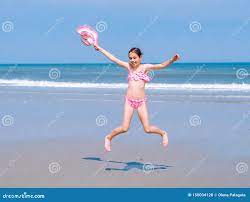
[(135, 97)]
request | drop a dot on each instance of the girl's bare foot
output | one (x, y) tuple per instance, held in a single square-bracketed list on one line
[(165, 139), (107, 144)]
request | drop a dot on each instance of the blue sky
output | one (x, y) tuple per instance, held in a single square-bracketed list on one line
[(44, 30)]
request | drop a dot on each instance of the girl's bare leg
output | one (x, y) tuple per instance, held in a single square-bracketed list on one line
[(143, 115), (127, 116)]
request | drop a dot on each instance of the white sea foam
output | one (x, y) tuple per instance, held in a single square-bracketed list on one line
[(154, 86)]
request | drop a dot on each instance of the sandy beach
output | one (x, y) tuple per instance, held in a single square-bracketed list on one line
[(53, 137)]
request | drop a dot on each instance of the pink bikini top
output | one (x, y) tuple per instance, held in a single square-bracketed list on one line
[(136, 76)]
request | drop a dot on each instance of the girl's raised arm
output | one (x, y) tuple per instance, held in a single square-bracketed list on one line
[(112, 57), (163, 64)]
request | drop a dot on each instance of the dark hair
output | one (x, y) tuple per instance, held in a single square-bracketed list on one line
[(136, 51)]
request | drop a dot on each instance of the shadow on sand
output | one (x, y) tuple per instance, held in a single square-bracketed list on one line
[(126, 166)]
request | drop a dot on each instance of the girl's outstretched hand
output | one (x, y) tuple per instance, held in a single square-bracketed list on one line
[(176, 57), (96, 47)]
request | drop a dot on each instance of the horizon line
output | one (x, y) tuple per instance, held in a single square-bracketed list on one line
[(114, 63)]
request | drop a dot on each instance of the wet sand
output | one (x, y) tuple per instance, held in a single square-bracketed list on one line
[(54, 138)]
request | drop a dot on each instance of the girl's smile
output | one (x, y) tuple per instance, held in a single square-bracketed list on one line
[(134, 59)]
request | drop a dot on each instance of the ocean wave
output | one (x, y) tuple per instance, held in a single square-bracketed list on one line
[(153, 86)]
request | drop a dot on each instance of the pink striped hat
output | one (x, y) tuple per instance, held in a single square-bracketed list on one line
[(88, 34)]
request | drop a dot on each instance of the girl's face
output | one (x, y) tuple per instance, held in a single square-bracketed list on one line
[(134, 59)]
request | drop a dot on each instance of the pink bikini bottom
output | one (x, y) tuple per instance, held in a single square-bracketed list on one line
[(135, 103)]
